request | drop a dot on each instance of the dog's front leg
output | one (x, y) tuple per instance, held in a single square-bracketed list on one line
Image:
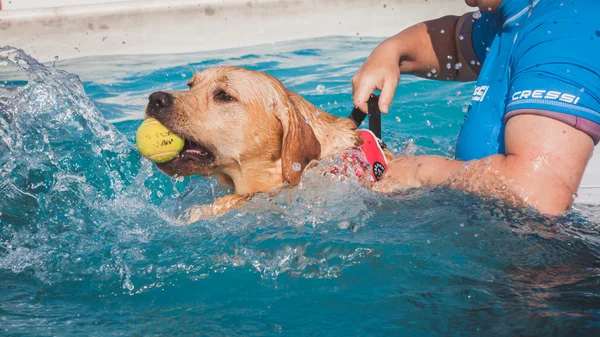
[(219, 207)]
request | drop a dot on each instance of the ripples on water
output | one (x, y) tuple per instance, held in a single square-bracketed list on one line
[(88, 246)]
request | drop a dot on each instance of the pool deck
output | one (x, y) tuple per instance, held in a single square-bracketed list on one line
[(77, 28)]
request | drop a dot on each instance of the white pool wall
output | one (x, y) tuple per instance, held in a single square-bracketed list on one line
[(36, 4), (183, 26)]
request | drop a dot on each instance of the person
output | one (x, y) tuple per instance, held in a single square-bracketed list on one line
[(535, 112)]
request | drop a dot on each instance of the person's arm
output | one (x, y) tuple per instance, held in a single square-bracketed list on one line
[(424, 50), (543, 166)]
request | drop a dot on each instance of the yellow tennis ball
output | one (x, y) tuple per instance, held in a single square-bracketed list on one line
[(157, 143)]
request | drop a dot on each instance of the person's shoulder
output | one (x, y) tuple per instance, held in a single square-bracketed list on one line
[(563, 11), (566, 21)]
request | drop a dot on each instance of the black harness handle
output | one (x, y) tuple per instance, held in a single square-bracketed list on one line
[(358, 116)]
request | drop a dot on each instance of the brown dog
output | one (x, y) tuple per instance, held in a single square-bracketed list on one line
[(247, 130)]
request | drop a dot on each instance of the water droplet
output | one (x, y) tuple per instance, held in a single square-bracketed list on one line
[(307, 121), (458, 66), (183, 75), (449, 66), (458, 93), (460, 37), (317, 112), (296, 167), (433, 71), (476, 15), (428, 74), (449, 57), (428, 123), (320, 88), (472, 62), (582, 90), (487, 48), (442, 31), (398, 119), (462, 225)]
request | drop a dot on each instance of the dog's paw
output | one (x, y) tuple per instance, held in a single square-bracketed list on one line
[(196, 213), (216, 209), (389, 187)]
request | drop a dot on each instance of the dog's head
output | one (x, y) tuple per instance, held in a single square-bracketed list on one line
[(241, 126)]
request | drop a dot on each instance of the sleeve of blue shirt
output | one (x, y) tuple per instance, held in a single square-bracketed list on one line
[(555, 65), (485, 29)]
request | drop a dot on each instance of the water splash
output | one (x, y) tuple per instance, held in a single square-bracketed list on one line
[(73, 186)]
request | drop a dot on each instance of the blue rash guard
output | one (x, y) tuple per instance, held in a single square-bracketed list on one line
[(538, 54)]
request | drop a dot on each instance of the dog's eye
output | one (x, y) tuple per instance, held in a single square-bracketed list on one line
[(223, 96)]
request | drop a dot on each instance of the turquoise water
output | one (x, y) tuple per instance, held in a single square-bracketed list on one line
[(89, 246)]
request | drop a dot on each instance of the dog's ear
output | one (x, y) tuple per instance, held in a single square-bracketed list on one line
[(299, 145)]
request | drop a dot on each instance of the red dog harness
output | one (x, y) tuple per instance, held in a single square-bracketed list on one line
[(368, 159)]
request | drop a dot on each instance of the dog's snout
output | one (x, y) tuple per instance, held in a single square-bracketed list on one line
[(161, 99)]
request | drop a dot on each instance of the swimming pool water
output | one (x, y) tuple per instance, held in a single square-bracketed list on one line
[(89, 246)]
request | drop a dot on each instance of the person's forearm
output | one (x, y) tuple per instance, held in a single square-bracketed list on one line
[(422, 170), (503, 176), (429, 49), (420, 49)]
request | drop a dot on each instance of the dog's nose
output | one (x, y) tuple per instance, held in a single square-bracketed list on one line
[(159, 103), (161, 99)]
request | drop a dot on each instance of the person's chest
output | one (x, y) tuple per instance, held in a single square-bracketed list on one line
[(482, 134)]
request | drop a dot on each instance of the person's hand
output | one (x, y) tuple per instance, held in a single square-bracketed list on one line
[(412, 172), (401, 174), (381, 71)]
